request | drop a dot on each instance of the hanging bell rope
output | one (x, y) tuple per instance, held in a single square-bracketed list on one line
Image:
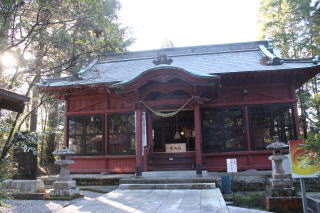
[(169, 114)]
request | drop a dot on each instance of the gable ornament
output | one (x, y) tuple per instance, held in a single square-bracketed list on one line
[(162, 59)]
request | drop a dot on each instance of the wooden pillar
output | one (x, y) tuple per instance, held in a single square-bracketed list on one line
[(149, 129), (198, 138), (163, 140), (106, 135), (138, 115), (65, 123), (248, 130), (248, 135)]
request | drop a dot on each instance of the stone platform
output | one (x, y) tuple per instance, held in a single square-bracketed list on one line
[(90, 179), (168, 180), (153, 201), (168, 186), (250, 180)]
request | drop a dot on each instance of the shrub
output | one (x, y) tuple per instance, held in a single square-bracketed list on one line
[(7, 170), (250, 201)]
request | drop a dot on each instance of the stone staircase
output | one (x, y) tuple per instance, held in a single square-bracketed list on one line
[(168, 180)]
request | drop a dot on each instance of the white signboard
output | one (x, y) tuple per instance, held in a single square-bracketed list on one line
[(232, 165), (176, 147), (144, 131)]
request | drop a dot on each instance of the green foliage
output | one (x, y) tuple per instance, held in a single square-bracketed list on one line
[(249, 201), (7, 170), (27, 141), (312, 143), (294, 26), (51, 39), (312, 146)]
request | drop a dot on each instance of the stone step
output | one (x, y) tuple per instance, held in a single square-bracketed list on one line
[(165, 181), (30, 196), (169, 168), (168, 161), (167, 165), (171, 161), (168, 186)]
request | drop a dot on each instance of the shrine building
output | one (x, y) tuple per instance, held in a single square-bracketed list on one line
[(12, 101), (188, 108)]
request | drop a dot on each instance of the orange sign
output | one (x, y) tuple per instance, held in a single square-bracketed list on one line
[(300, 166)]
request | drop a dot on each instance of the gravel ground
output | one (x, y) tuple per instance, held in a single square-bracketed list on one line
[(43, 206)]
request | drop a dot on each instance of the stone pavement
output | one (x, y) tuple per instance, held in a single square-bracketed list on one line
[(152, 201)]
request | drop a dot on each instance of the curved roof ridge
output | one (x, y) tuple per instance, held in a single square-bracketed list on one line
[(163, 68), (189, 50)]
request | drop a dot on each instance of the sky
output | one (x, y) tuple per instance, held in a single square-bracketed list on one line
[(189, 22)]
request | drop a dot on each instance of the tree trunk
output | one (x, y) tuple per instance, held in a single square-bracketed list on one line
[(44, 123), (303, 117), (7, 144), (34, 113), (52, 128)]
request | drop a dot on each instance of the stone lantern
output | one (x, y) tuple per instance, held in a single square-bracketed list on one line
[(64, 186), (280, 193), (277, 147)]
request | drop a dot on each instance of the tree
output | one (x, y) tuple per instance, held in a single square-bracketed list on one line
[(295, 27), (61, 36), (312, 144)]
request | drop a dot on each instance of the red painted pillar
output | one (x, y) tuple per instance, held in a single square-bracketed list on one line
[(250, 162), (248, 130), (138, 114), (65, 123), (106, 139), (198, 138)]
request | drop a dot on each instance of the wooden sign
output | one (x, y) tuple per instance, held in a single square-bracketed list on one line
[(232, 165), (176, 147)]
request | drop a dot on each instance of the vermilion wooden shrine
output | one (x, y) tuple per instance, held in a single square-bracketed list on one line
[(181, 108)]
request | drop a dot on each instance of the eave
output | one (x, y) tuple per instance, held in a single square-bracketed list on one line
[(12, 101)]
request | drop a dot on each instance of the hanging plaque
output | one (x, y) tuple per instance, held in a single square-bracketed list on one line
[(176, 147)]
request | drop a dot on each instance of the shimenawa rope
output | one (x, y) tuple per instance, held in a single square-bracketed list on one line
[(169, 114)]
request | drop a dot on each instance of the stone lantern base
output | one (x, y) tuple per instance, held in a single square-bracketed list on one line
[(281, 186), (64, 188), (281, 196), (284, 204)]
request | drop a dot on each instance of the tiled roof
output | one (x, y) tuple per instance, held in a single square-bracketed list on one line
[(200, 61), (13, 96), (12, 101)]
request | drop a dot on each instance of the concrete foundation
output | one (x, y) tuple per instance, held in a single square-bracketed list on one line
[(26, 189)]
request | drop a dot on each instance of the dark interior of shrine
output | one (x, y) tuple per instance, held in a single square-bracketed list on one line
[(178, 129)]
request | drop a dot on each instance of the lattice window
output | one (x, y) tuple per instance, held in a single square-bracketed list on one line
[(121, 133), (86, 135), (267, 121), (223, 129)]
